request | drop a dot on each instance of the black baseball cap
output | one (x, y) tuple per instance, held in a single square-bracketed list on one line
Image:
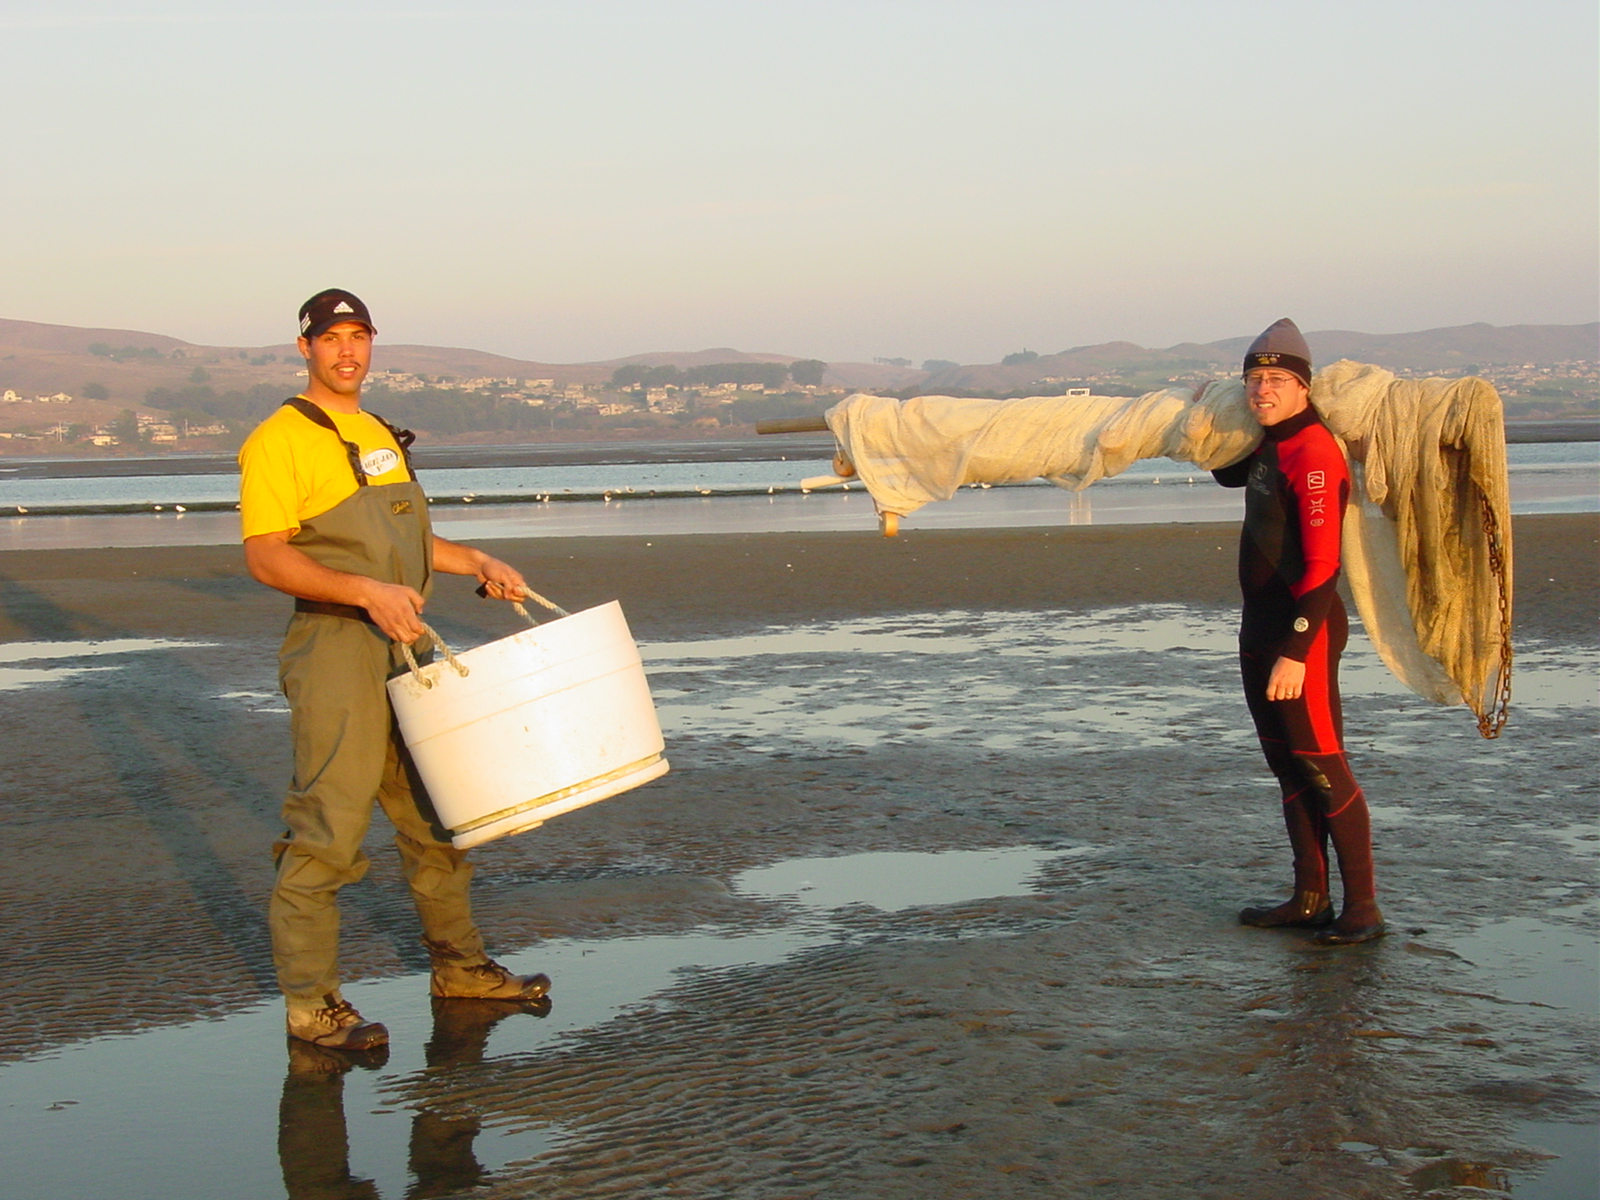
[(332, 307)]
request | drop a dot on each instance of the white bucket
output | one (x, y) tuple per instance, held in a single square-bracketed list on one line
[(544, 721)]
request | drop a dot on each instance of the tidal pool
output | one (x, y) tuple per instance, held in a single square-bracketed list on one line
[(218, 1108)]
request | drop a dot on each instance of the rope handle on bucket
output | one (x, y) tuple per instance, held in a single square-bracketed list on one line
[(460, 667), (516, 606), (483, 590)]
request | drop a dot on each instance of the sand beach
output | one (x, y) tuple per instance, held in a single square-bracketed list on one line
[(1028, 741)]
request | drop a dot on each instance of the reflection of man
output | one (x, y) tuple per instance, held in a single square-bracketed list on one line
[(313, 1138), (313, 1135), (332, 514), (1291, 636)]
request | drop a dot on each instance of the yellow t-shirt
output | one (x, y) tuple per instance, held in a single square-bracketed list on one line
[(292, 469)]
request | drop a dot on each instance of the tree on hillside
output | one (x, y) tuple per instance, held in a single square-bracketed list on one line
[(126, 428), (1019, 358), (96, 391), (246, 407), (640, 375), (808, 372)]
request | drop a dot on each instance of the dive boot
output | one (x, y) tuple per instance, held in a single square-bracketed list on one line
[(1361, 923), (1306, 910)]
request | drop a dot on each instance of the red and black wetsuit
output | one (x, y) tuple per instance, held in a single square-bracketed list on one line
[(1297, 485)]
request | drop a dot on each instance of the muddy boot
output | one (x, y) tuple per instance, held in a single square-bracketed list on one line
[(456, 978), (332, 1022), (1306, 910)]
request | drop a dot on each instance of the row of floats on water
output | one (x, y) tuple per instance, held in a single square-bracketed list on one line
[(608, 495)]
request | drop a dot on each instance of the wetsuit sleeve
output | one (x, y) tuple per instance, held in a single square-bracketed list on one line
[(1235, 476), (1320, 484)]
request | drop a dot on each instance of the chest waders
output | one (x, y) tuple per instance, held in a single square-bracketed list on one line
[(347, 750)]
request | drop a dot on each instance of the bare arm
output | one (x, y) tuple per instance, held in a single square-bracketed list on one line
[(393, 607), (504, 582)]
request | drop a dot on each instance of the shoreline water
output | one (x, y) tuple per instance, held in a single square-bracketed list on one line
[(1154, 491), (451, 456)]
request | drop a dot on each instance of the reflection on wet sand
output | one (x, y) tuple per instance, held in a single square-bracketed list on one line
[(313, 1138), (747, 1006), (313, 1134)]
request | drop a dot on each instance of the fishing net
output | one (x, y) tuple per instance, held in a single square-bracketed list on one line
[(1427, 538)]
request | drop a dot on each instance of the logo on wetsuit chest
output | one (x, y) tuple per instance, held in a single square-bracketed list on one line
[(1258, 479), (400, 507), (379, 462)]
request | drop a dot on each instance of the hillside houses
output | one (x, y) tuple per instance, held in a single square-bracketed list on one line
[(11, 396)]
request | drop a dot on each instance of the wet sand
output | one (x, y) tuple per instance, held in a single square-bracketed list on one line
[(1108, 1029)]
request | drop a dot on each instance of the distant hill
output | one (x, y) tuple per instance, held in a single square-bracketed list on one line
[(42, 359), (107, 371), (1444, 350), (39, 358)]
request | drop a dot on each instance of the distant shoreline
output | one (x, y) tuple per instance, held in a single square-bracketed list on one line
[(592, 453)]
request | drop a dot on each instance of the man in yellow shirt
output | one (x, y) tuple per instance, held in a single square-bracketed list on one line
[(332, 515)]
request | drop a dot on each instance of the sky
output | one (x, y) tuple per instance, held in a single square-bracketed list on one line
[(588, 179)]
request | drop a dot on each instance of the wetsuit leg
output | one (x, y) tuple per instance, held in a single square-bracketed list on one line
[(1315, 730), (1303, 810)]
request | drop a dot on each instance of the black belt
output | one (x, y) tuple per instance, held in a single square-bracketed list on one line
[(327, 608)]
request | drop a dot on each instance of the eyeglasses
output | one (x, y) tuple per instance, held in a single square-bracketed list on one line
[(1270, 379)]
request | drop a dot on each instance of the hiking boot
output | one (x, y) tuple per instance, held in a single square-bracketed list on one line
[(334, 1024), (454, 978)]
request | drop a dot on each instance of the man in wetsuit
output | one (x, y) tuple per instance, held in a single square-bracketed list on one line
[(1292, 633), (332, 514)]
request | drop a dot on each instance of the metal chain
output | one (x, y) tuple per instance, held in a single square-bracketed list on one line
[(1490, 723)]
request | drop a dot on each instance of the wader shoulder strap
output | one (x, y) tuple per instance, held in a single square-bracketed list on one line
[(402, 437)]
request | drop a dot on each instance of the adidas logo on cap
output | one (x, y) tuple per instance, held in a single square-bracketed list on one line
[(343, 307)]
